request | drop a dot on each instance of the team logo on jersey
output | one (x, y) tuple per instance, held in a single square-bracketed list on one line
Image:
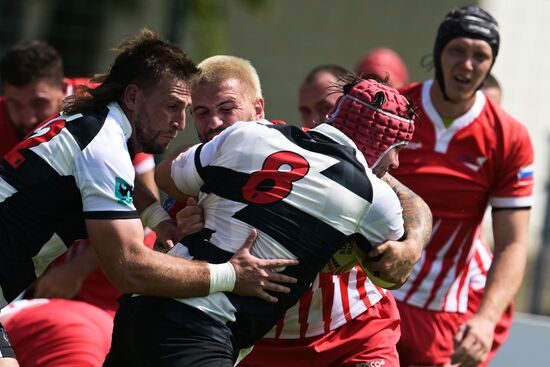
[(526, 175), (124, 191), (474, 164)]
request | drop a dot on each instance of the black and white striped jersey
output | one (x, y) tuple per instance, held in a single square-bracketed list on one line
[(307, 194), (70, 168)]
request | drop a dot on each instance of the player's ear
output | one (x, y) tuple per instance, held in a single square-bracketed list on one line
[(259, 105), (130, 97)]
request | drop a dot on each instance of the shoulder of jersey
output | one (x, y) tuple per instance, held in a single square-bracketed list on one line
[(89, 124), (503, 116)]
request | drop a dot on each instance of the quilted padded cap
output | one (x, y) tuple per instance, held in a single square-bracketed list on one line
[(375, 116)]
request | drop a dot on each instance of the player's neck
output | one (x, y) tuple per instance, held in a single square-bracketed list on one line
[(133, 141), (449, 110)]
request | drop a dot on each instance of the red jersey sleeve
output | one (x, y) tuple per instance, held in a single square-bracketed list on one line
[(513, 186)]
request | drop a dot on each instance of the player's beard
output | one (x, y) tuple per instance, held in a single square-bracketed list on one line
[(150, 140)]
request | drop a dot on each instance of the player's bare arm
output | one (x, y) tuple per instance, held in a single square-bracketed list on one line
[(153, 273), (143, 196), (145, 271), (65, 280), (147, 179), (397, 258), (163, 177), (153, 215), (416, 214), (474, 338)]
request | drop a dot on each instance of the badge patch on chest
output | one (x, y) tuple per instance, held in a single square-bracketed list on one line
[(474, 163)]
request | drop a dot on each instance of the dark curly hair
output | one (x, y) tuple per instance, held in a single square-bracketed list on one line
[(143, 61)]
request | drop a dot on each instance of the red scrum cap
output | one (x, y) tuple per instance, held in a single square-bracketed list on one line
[(375, 116)]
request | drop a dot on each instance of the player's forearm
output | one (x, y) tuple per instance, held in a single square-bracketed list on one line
[(508, 267), (503, 280), (143, 197), (163, 177), (417, 216), (134, 268), (148, 180), (83, 263), (65, 279), (156, 274)]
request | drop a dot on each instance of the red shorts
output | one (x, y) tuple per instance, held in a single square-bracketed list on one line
[(60, 333), (427, 336), (368, 340)]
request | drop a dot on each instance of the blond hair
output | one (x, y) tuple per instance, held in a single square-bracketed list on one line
[(219, 68)]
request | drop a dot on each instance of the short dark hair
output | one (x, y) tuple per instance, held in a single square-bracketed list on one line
[(29, 61), (144, 61), (345, 79), (335, 70)]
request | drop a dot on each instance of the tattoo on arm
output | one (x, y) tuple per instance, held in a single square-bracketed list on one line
[(417, 216)]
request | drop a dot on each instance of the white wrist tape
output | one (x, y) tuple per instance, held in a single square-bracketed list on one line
[(222, 277), (153, 215)]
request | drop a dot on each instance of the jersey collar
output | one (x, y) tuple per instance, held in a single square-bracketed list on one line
[(460, 121), (445, 134), (121, 118)]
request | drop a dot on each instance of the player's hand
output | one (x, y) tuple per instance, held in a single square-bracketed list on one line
[(61, 281), (167, 233), (191, 218), (255, 275), (393, 259), (472, 341)]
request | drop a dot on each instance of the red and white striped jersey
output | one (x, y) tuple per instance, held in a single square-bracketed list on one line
[(484, 157), (332, 301)]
